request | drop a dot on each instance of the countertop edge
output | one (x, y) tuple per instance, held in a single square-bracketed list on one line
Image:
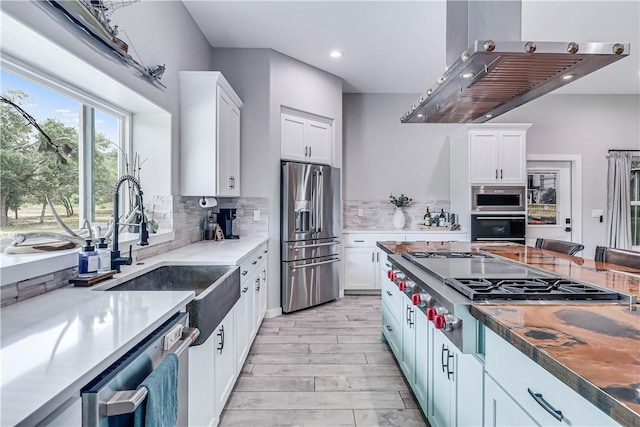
[(403, 231), (592, 393)]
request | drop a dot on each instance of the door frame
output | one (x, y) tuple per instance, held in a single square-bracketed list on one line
[(576, 187)]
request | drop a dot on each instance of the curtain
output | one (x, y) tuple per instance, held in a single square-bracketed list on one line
[(619, 200)]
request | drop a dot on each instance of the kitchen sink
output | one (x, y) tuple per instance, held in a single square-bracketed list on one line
[(217, 289)]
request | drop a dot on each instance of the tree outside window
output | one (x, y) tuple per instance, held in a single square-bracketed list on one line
[(29, 175)]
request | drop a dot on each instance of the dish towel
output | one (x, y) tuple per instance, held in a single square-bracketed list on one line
[(160, 408)]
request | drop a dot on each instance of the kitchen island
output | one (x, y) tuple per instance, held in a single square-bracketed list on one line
[(592, 347)]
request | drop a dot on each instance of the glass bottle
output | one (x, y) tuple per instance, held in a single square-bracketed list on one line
[(427, 217)]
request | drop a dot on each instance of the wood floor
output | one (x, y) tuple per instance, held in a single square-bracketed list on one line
[(324, 366)]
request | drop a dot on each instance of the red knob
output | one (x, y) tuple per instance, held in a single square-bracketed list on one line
[(415, 299), (439, 321), (402, 285), (394, 276), (431, 313), (389, 274)]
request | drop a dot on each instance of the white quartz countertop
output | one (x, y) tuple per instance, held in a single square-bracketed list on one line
[(54, 344)]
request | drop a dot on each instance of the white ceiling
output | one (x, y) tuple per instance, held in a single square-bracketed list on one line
[(399, 46)]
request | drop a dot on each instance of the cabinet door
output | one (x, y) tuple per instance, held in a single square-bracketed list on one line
[(261, 298), (360, 269), (483, 157), (468, 378), (228, 149), (257, 301), (202, 398), (224, 360), (500, 409), (244, 322), (319, 141), (513, 158), (408, 361), (442, 384), (422, 361), (292, 138)]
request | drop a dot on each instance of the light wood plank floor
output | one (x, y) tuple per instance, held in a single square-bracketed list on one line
[(324, 366)]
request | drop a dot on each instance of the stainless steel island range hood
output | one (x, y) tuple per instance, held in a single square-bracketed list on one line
[(489, 77)]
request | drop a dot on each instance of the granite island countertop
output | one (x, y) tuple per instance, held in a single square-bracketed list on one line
[(593, 348)]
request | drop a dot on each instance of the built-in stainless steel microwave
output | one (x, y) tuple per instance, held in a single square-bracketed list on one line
[(486, 198)]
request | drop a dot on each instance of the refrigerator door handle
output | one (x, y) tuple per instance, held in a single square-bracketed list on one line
[(313, 264), (321, 204), (312, 211), (315, 245)]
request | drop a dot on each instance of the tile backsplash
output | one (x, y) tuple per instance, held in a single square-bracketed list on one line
[(244, 223), (378, 214)]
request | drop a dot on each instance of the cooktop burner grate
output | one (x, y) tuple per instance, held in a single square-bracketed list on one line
[(529, 289)]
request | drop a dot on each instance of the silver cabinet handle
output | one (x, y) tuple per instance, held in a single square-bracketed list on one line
[(373, 257), (309, 151), (377, 256), (389, 293), (306, 151), (244, 290), (244, 273), (500, 173), (496, 173), (358, 241), (546, 405), (126, 401), (257, 284)]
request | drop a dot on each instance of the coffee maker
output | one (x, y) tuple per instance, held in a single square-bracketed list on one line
[(225, 220)]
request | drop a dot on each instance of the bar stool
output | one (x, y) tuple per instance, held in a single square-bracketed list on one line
[(561, 246), (617, 256)]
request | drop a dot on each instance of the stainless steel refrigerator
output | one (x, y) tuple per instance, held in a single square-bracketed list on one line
[(310, 226)]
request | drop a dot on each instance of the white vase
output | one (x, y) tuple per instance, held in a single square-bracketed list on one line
[(398, 218)]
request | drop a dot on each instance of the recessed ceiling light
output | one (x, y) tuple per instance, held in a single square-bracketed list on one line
[(468, 75), (568, 76), (335, 54), (488, 116), (419, 115)]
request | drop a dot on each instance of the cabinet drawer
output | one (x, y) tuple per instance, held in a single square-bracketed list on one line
[(520, 376), (392, 298), (367, 239), (250, 263), (392, 332)]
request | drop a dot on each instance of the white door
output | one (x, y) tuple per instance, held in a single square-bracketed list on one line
[(549, 208), (483, 154), (292, 138), (512, 154), (360, 268), (319, 142)]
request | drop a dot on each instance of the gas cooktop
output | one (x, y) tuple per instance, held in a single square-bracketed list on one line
[(554, 288), (445, 255)]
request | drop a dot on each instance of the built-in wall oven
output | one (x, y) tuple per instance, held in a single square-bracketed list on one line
[(493, 198), (501, 227), (112, 398)]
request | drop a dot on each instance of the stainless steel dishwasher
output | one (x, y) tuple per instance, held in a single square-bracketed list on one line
[(112, 398)]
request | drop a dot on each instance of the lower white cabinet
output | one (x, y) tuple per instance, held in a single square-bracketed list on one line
[(407, 356), (542, 396), (260, 295), (457, 385), (224, 363), (244, 320), (202, 402), (422, 360), (500, 409)]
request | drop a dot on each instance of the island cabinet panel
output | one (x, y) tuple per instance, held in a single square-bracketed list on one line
[(407, 358), (391, 331), (244, 319), (544, 397), (500, 409), (224, 360), (456, 391)]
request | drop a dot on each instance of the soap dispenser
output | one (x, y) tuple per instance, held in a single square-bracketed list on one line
[(87, 260), (104, 257)]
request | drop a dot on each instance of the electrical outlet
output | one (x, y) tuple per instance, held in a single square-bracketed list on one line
[(256, 215), (595, 213), (360, 213)]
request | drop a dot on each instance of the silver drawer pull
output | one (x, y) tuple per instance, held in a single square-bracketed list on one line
[(358, 241), (546, 405)]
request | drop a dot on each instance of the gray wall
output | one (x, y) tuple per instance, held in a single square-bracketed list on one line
[(265, 80), (383, 156), (588, 125)]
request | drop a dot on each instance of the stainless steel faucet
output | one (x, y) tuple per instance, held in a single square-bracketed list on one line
[(116, 259)]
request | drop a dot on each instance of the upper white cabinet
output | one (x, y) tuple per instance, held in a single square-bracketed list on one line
[(306, 139), (497, 157), (209, 135)]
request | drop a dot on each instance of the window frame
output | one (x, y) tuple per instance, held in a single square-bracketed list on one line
[(86, 127)]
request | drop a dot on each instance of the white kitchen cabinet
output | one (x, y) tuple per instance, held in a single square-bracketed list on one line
[(363, 259), (305, 138), (500, 409), (392, 331), (422, 360), (260, 297), (202, 400), (244, 324), (224, 364), (209, 135), (537, 391), (407, 357), (497, 157), (456, 390)]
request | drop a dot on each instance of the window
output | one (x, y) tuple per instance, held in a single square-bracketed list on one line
[(635, 203), (80, 190), (541, 198)]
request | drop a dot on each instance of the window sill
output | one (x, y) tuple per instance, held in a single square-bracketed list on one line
[(15, 268)]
